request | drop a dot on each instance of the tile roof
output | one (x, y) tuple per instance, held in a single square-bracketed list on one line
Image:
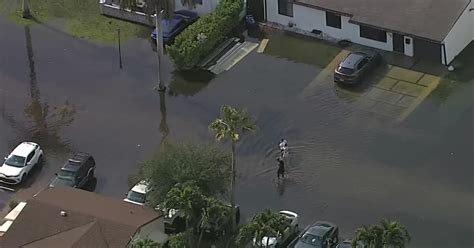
[(429, 19), (92, 220)]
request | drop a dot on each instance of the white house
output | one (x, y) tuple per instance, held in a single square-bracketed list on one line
[(201, 7), (436, 30)]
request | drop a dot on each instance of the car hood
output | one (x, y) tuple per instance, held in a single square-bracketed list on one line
[(61, 182), (8, 170)]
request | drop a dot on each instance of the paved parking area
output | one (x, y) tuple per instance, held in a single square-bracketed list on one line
[(391, 91)]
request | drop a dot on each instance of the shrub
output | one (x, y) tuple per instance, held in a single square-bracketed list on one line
[(201, 37)]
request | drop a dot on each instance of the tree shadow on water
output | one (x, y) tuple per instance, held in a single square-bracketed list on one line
[(43, 123), (189, 83)]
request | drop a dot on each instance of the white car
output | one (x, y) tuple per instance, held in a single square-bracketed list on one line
[(20, 162), (283, 238), (137, 195)]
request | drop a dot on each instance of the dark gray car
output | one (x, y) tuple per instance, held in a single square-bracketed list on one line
[(320, 234), (76, 172), (355, 66)]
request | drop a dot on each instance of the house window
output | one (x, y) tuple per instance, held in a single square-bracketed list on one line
[(373, 33), (333, 20), (285, 7)]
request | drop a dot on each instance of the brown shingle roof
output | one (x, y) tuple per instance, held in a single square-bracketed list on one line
[(92, 221), (429, 19)]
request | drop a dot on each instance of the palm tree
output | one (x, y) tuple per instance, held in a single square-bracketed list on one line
[(26, 9), (143, 243), (370, 237), (394, 234), (264, 224), (215, 210), (390, 234), (231, 123)]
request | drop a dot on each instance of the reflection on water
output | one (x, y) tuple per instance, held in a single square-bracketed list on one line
[(188, 83), (44, 123), (344, 165)]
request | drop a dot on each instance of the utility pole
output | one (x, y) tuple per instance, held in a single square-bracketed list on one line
[(119, 49), (159, 47), (26, 9)]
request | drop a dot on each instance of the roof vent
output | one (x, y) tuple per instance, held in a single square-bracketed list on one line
[(63, 213)]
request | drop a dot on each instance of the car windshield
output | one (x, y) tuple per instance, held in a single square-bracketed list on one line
[(136, 196), (345, 70), (66, 175), (311, 239), (16, 161)]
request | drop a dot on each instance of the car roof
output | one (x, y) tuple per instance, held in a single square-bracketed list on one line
[(320, 228), (76, 161), (24, 149), (141, 187), (352, 60), (186, 13)]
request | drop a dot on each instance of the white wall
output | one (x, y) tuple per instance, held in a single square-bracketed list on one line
[(154, 230), (460, 35), (308, 19), (204, 8)]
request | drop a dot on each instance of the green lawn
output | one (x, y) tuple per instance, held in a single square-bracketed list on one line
[(301, 49), (81, 18)]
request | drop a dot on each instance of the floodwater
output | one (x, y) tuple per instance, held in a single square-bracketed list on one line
[(345, 166)]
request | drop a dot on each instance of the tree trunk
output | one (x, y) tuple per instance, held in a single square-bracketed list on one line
[(26, 9), (232, 189), (200, 238), (159, 47)]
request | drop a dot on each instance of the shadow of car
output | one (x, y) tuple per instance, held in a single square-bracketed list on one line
[(356, 66), (180, 20)]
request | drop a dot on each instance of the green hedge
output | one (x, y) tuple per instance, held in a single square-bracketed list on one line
[(200, 38)]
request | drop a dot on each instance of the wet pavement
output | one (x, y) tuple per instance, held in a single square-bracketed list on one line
[(346, 165)]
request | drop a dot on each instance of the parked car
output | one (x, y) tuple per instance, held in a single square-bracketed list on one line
[(76, 172), (137, 195), (174, 26), (355, 66), (282, 239), (19, 163), (321, 234)]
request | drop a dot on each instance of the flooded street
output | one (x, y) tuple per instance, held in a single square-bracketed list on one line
[(347, 166)]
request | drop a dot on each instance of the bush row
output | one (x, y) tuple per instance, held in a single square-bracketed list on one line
[(200, 38)]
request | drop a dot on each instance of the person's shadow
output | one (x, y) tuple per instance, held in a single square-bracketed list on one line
[(281, 186)]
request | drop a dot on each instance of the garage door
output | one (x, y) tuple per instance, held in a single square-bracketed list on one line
[(427, 50)]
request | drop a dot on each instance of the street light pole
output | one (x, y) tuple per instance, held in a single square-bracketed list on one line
[(159, 47)]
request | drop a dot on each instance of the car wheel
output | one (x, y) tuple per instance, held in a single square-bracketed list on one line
[(40, 161), (22, 178)]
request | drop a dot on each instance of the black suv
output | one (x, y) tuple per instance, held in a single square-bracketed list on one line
[(77, 171)]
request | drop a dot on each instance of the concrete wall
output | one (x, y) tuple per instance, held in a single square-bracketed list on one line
[(204, 8), (114, 11), (154, 230), (460, 35), (308, 19)]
